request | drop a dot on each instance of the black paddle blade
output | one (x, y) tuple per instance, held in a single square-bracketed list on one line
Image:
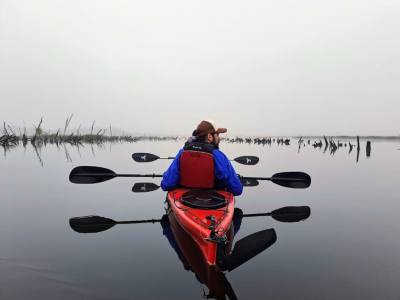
[(296, 180), (144, 157), (291, 213), (88, 174), (248, 247), (91, 224), (249, 182), (143, 187), (247, 160)]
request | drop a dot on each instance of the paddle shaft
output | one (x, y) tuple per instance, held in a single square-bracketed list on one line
[(171, 157), (159, 220), (118, 175), (139, 221), (159, 175), (91, 224), (257, 215), (142, 157), (273, 178)]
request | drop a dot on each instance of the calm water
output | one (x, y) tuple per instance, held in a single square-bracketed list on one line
[(347, 249)]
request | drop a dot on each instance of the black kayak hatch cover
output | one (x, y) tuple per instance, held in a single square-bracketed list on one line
[(204, 199)]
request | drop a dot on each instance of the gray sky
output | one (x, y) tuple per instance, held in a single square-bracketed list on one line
[(159, 67)]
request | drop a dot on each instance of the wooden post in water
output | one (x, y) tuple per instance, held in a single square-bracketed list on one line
[(368, 148), (358, 147)]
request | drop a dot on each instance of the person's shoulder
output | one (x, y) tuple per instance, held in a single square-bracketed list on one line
[(218, 153)]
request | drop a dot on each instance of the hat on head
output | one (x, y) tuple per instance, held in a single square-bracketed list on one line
[(205, 127)]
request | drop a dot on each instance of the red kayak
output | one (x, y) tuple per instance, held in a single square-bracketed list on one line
[(193, 260), (206, 215)]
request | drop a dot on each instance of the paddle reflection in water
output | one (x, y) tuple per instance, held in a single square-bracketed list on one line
[(189, 253)]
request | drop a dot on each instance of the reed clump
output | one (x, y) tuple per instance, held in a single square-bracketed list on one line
[(41, 137), (8, 139)]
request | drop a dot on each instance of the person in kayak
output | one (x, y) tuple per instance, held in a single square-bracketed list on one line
[(201, 165)]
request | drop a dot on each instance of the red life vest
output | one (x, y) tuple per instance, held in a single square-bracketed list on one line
[(197, 166)]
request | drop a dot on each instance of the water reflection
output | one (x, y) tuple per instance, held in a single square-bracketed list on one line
[(329, 145), (212, 277), (192, 259)]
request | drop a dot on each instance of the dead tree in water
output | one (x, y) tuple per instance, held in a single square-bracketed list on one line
[(350, 147), (333, 146), (368, 149), (300, 142), (317, 144), (358, 148), (326, 144)]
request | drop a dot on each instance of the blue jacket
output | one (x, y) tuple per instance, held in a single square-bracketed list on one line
[(223, 169)]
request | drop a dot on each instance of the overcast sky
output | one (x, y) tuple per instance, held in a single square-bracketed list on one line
[(257, 67)]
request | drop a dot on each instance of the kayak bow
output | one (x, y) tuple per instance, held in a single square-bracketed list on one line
[(206, 215)]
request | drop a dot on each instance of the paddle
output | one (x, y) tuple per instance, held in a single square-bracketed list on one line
[(92, 174), (148, 157), (144, 187), (92, 224), (249, 182), (296, 180), (248, 247), (286, 214)]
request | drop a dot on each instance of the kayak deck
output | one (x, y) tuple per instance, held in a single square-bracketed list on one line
[(206, 215)]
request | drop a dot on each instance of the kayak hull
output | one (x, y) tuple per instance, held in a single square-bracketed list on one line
[(209, 228)]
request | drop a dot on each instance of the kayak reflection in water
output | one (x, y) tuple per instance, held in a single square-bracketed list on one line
[(192, 259), (190, 253)]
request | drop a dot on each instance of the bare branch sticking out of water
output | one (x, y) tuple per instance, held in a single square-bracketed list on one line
[(91, 131), (67, 156), (38, 129), (91, 147), (350, 147), (79, 151), (67, 121), (368, 149), (38, 154)]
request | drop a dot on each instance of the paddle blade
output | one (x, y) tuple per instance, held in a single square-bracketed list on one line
[(91, 224), (144, 157), (143, 187), (247, 160), (249, 182), (291, 213), (89, 174), (248, 247), (296, 180)]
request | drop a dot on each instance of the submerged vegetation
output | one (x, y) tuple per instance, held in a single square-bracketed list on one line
[(40, 137)]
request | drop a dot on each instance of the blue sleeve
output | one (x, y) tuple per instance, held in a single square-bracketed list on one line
[(225, 172), (171, 177)]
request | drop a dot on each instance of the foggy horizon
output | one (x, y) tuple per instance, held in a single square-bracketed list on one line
[(266, 68)]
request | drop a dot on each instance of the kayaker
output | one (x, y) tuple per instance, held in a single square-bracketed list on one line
[(201, 165)]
